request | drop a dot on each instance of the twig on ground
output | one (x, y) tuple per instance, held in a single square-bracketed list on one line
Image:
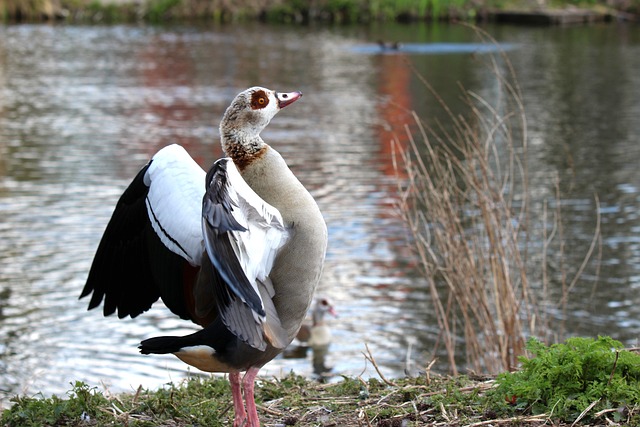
[(512, 420), (371, 359), (585, 412)]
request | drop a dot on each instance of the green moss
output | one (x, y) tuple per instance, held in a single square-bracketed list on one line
[(565, 379), (82, 401), (350, 387), (284, 388)]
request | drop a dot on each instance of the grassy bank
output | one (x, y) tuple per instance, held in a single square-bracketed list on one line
[(284, 10), (582, 382)]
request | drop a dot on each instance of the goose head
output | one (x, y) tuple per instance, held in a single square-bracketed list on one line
[(323, 306), (252, 110)]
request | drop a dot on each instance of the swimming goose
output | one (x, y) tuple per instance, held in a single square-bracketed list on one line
[(389, 45), (238, 250), (317, 333)]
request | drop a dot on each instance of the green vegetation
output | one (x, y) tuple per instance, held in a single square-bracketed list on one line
[(592, 381), (582, 374), (281, 10)]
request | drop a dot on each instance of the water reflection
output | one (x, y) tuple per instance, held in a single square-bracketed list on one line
[(83, 108)]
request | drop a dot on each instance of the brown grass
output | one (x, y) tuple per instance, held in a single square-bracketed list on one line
[(29, 9), (467, 207)]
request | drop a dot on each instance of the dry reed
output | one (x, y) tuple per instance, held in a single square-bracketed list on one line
[(29, 9), (466, 205)]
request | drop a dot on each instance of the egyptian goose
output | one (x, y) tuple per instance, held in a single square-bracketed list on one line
[(317, 333), (238, 250)]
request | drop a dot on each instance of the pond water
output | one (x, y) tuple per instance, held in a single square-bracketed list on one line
[(82, 108)]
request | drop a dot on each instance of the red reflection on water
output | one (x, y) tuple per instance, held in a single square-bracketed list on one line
[(395, 113)]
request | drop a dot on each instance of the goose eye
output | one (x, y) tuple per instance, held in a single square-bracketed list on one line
[(259, 100)]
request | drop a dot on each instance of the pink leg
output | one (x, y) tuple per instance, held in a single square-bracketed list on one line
[(248, 384), (238, 404)]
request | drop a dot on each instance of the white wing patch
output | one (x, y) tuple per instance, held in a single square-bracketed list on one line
[(174, 203), (257, 247)]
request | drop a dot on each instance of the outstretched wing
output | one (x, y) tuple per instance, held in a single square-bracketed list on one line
[(243, 235), (153, 244)]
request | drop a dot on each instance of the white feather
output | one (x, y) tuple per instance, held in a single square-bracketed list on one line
[(257, 247), (174, 203)]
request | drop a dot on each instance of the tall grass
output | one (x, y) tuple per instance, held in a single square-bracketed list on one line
[(28, 9), (231, 10), (467, 206), (361, 11)]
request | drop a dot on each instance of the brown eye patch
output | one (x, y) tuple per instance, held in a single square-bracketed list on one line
[(259, 99)]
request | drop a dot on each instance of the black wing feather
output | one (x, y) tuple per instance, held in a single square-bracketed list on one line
[(122, 273), (236, 316)]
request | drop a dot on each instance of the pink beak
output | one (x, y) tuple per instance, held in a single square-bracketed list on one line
[(287, 98)]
